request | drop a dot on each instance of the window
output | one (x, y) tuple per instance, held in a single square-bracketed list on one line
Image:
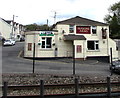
[(29, 46), (93, 45), (46, 42), (94, 29), (71, 28), (79, 48)]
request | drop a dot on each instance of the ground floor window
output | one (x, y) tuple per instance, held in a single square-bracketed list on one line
[(29, 46), (93, 45), (46, 42)]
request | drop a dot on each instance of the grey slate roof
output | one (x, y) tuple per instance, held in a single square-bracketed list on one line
[(81, 21), (74, 37)]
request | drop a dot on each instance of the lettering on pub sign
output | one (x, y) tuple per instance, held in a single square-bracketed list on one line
[(83, 30)]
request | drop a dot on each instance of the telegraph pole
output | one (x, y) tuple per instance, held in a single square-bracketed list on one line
[(55, 17), (12, 26)]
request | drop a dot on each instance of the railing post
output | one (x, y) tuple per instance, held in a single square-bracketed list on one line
[(108, 87), (76, 87), (5, 88), (41, 89), (74, 60), (111, 61)]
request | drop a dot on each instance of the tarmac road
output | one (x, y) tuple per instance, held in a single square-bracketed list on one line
[(12, 63)]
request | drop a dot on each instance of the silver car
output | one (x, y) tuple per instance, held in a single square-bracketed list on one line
[(9, 42)]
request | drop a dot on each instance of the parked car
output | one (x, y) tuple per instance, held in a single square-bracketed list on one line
[(115, 66), (9, 42)]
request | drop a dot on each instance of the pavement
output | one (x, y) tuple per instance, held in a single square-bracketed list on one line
[(70, 60)]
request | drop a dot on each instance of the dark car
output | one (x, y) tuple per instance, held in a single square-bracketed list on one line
[(115, 66)]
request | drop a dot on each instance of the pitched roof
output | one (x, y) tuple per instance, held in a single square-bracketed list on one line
[(81, 21), (74, 37)]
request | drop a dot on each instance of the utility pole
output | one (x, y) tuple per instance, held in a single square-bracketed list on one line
[(47, 22), (55, 17), (13, 26)]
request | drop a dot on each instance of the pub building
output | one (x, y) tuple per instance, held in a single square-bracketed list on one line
[(76, 36)]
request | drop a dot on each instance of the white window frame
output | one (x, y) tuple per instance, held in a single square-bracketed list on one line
[(71, 27), (45, 40), (94, 27), (96, 42)]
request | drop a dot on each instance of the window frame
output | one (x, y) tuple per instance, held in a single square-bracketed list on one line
[(95, 44), (71, 28), (45, 41), (29, 47), (94, 28)]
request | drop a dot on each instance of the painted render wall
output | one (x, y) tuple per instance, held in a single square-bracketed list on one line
[(5, 29), (104, 44), (65, 48)]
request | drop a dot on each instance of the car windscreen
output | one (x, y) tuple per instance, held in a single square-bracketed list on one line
[(7, 40)]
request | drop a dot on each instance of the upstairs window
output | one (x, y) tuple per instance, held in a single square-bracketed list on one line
[(71, 28), (46, 42), (94, 29), (93, 45)]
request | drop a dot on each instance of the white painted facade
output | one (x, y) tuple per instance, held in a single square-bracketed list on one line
[(5, 29), (60, 47), (8, 30)]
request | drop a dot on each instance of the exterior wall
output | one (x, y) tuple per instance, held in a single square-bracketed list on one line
[(112, 44), (64, 48), (60, 29), (34, 37), (104, 44), (5, 29), (80, 53)]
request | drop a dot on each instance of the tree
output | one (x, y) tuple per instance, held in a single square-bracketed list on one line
[(113, 19), (36, 27)]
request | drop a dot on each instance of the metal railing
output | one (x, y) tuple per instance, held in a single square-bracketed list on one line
[(76, 86)]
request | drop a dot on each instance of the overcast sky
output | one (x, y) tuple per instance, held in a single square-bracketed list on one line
[(38, 11)]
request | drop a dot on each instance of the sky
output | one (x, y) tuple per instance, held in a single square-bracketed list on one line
[(38, 11)]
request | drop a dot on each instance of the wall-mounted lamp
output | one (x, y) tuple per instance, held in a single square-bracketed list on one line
[(39, 43), (53, 44)]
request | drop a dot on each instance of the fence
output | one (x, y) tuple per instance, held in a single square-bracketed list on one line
[(76, 94)]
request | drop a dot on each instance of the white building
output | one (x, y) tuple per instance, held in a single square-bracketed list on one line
[(5, 29), (8, 29), (17, 30), (79, 36)]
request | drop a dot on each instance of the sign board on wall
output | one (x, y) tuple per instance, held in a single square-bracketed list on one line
[(83, 30), (46, 33)]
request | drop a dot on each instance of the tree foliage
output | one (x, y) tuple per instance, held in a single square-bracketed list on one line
[(36, 27), (113, 19)]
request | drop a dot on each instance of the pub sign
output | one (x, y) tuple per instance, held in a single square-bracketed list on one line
[(83, 30)]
